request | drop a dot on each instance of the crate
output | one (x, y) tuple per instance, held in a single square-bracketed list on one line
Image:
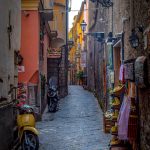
[(107, 124), (132, 127)]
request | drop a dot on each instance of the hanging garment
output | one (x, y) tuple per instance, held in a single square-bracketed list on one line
[(123, 118), (121, 73)]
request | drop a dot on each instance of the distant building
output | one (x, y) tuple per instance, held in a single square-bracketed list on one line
[(77, 54), (57, 59)]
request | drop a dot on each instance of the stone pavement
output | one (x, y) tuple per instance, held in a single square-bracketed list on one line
[(78, 125)]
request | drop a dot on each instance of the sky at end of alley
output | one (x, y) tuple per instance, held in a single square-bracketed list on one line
[(74, 6)]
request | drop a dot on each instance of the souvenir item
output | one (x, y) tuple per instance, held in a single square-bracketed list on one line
[(141, 72), (124, 118)]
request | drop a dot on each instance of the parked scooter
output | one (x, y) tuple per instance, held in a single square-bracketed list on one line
[(52, 95), (26, 134)]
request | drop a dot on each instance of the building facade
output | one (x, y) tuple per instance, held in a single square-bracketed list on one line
[(35, 40), (10, 45), (119, 23), (77, 55), (58, 46)]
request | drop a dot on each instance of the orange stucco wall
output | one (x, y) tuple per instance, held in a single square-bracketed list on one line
[(30, 46)]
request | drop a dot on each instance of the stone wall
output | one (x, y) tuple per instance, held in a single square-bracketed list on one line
[(10, 16), (63, 74), (129, 14), (122, 18), (141, 17), (98, 22)]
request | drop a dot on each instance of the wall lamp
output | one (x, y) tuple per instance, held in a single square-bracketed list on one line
[(98, 35), (134, 39), (104, 3), (110, 39), (83, 26)]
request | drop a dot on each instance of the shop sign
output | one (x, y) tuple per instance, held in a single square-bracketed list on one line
[(129, 71), (141, 72), (54, 52)]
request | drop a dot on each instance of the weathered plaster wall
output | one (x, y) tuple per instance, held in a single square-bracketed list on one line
[(136, 13), (9, 12), (29, 45)]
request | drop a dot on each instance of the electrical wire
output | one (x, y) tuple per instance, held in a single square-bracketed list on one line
[(63, 11)]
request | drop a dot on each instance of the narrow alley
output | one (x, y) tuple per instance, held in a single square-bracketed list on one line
[(78, 124)]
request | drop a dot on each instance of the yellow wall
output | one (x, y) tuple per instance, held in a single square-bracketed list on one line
[(29, 4), (77, 35), (59, 21)]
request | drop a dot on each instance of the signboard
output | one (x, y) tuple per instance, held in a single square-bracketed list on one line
[(129, 70), (54, 52), (83, 59), (141, 72)]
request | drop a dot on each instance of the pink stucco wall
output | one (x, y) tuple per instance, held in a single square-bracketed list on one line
[(30, 46)]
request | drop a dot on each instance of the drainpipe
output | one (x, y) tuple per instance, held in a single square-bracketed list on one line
[(112, 53), (112, 35), (122, 40), (94, 67), (66, 55), (67, 22)]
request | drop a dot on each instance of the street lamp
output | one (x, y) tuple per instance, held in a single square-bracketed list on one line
[(83, 26), (134, 40)]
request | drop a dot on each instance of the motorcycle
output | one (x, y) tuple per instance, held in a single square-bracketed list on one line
[(26, 134), (52, 96)]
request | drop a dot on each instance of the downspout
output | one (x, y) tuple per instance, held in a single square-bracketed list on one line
[(66, 61), (112, 54)]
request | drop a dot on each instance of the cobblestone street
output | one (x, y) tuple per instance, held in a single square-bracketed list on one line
[(78, 125)]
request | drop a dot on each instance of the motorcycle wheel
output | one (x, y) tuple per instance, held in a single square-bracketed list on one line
[(30, 141)]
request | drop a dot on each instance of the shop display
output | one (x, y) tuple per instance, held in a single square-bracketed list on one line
[(122, 120)]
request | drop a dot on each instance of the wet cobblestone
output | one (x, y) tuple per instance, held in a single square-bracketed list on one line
[(78, 125)]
